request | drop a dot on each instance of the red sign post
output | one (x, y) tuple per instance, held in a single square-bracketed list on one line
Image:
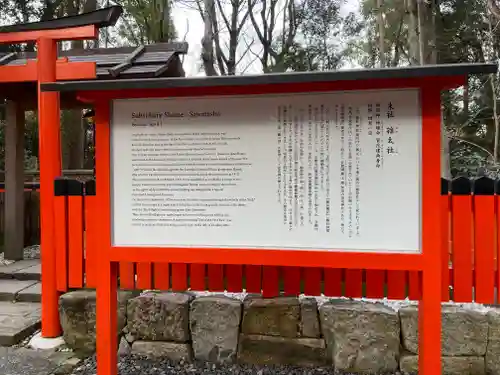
[(328, 217)]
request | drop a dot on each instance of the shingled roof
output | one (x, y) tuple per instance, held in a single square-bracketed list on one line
[(124, 63), (150, 61)]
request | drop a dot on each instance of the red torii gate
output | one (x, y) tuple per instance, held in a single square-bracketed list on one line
[(48, 68)]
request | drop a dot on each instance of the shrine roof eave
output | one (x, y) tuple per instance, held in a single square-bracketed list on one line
[(100, 18), (423, 75)]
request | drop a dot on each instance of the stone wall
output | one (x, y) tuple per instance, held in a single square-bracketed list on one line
[(352, 336)]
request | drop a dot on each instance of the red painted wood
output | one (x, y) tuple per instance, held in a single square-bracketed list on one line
[(313, 278), (270, 281), (462, 248), (396, 285), (75, 241), (333, 282), (375, 283), (179, 277), (216, 277), (161, 276), (126, 273), (484, 248), (197, 275), (144, 275), (61, 242), (253, 277), (234, 278), (353, 283), (291, 278)]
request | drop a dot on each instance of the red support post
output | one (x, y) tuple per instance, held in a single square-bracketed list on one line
[(430, 302), (50, 168)]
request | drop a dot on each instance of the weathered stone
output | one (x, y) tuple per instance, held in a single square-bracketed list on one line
[(492, 359), (9, 289), (215, 324), (465, 331), (130, 338), (272, 350), (77, 311), (9, 271), (18, 321), (32, 293), (450, 365), (309, 320), (124, 347), (159, 316), (361, 337), (272, 317), (160, 349), (31, 362)]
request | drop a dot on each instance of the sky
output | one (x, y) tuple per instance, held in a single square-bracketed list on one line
[(189, 26)]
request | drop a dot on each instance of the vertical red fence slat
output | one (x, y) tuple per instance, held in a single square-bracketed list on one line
[(197, 274), (61, 233), (414, 285), (375, 283), (484, 240), (75, 234), (179, 277), (126, 274), (312, 281), (161, 276), (497, 244), (253, 279), (396, 284), (216, 277), (333, 282), (445, 239), (144, 275), (90, 247), (270, 281), (462, 239), (353, 283), (291, 280), (234, 278)]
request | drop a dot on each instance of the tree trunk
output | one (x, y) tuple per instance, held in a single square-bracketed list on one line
[(413, 32), (381, 32), (207, 42), (74, 133)]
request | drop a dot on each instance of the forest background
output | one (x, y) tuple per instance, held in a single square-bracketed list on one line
[(228, 37)]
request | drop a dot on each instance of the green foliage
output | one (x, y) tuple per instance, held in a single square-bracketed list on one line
[(317, 44), (147, 21), (455, 31)]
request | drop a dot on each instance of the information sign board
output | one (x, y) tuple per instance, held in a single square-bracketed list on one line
[(314, 171)]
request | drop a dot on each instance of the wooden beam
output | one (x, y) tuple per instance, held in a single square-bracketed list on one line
[(18, 73), (8, 58), (65, 71), (129, 61), (14, 182), (73, 33)]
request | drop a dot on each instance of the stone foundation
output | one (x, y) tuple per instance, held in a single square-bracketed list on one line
[(352, 336)]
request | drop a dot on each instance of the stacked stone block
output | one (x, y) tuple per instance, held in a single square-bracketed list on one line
[(352, 336)]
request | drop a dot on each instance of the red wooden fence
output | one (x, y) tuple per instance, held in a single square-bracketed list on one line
[(470, 223)]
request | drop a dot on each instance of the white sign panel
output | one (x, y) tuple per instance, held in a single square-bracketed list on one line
[(325, 171)]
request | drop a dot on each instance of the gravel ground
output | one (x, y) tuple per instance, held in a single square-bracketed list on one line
[(30, 252), (135, 365)]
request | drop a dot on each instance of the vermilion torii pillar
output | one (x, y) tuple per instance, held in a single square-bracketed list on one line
[(48, 68)]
